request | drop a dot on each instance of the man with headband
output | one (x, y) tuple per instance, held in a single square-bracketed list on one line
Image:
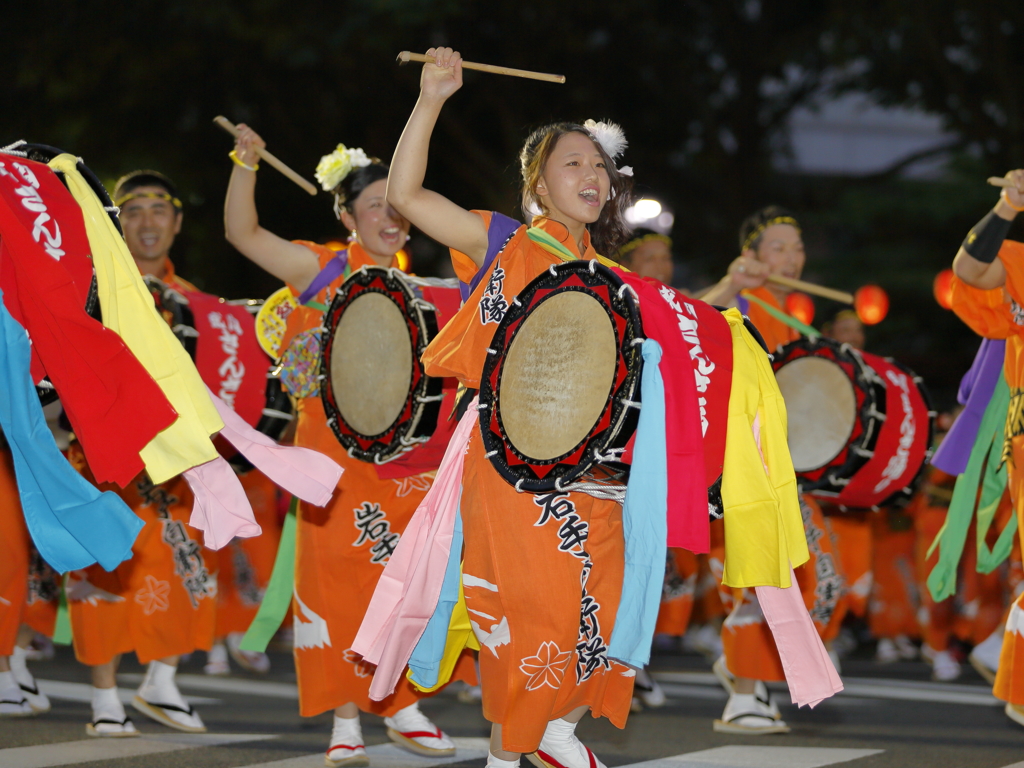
[(770, 244), (649, 254)]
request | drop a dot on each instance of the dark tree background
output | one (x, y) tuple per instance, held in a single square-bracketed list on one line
[(703, 88)]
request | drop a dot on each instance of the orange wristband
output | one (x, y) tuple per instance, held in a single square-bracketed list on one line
[(1006, 199)]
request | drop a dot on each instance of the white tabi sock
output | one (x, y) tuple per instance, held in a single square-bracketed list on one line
[(7, 680), (495, 762), (19, 666), (347, 731), (158, 687), (106, 705)]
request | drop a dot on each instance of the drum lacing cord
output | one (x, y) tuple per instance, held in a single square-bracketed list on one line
[(276, 414), (423, 304), (185, 330), (597, 490), (430, 399), (411, 442), (613, 454), (631, 403), (11, 149), (627, 287)]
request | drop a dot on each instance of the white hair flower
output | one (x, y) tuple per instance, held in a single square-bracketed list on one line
[(333, 168), (612, 140)]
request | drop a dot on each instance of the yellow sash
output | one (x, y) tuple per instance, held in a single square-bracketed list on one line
[(764, 530), (128, 310)]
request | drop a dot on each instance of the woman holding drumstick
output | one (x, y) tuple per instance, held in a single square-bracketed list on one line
[(337, 568), (540, 672)]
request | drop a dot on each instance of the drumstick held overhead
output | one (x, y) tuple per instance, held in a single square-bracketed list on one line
[(265, 154), (817, 290), (406, 56), (999, 181)]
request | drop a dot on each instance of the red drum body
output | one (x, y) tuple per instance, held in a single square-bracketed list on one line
[(560, 391), (379, 402), (220, 337), (860, 426)]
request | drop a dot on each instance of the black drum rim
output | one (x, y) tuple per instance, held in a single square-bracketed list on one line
[(623, 400), (871, 413), (418, 420)]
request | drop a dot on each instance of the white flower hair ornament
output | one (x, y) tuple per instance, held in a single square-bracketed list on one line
[(612, 140), (333, 168)]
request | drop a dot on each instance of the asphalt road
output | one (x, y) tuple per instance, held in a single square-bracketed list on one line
[(889, 716)]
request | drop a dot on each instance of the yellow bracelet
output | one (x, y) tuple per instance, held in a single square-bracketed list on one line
[(236, 161), (1006, 199)]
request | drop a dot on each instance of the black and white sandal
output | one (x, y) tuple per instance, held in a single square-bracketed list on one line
[(108, 728), (181, 718)]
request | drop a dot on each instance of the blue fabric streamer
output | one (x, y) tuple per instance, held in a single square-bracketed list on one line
[(72, 524), (644, 523), (425, 662)]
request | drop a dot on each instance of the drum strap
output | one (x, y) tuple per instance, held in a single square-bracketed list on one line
[(782, 317), (333, 269), (555, 248)]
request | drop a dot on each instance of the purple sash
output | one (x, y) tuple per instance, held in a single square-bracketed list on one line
[(976, 390), (332, 270)]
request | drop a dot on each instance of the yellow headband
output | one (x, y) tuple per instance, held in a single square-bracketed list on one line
[(771, 222), (632, 245), (153, 195)]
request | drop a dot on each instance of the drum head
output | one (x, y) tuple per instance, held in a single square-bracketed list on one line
[(822, 410), (558, 375), (560, 389), (371, 389), (378, 400)]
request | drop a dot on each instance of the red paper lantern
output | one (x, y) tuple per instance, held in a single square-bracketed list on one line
[(800, 306), (943, 288), (871, 304)]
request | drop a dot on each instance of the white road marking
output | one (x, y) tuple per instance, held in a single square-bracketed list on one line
[(217, 684), (859, 687), (393, 756), (58, 689), (759, 757), (90, 750)]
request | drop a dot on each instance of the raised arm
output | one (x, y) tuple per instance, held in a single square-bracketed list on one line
[(977, 262), (282, 258), (437, 216)]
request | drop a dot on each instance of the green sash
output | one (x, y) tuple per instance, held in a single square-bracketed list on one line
[(782, 317), (278, 595), (984, 468)]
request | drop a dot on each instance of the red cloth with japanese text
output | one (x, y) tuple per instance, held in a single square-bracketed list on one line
[(114, 405), (688, 525), (229, 359)]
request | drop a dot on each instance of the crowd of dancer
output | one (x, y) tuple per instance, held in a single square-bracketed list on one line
[(536, 666)]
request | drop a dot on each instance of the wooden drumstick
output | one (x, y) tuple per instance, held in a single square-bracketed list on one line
[(817, 290), (406, 56), (999, 181), (265, 154)]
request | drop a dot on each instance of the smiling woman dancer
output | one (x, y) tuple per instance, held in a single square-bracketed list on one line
[(336, 568), (543, 665)]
